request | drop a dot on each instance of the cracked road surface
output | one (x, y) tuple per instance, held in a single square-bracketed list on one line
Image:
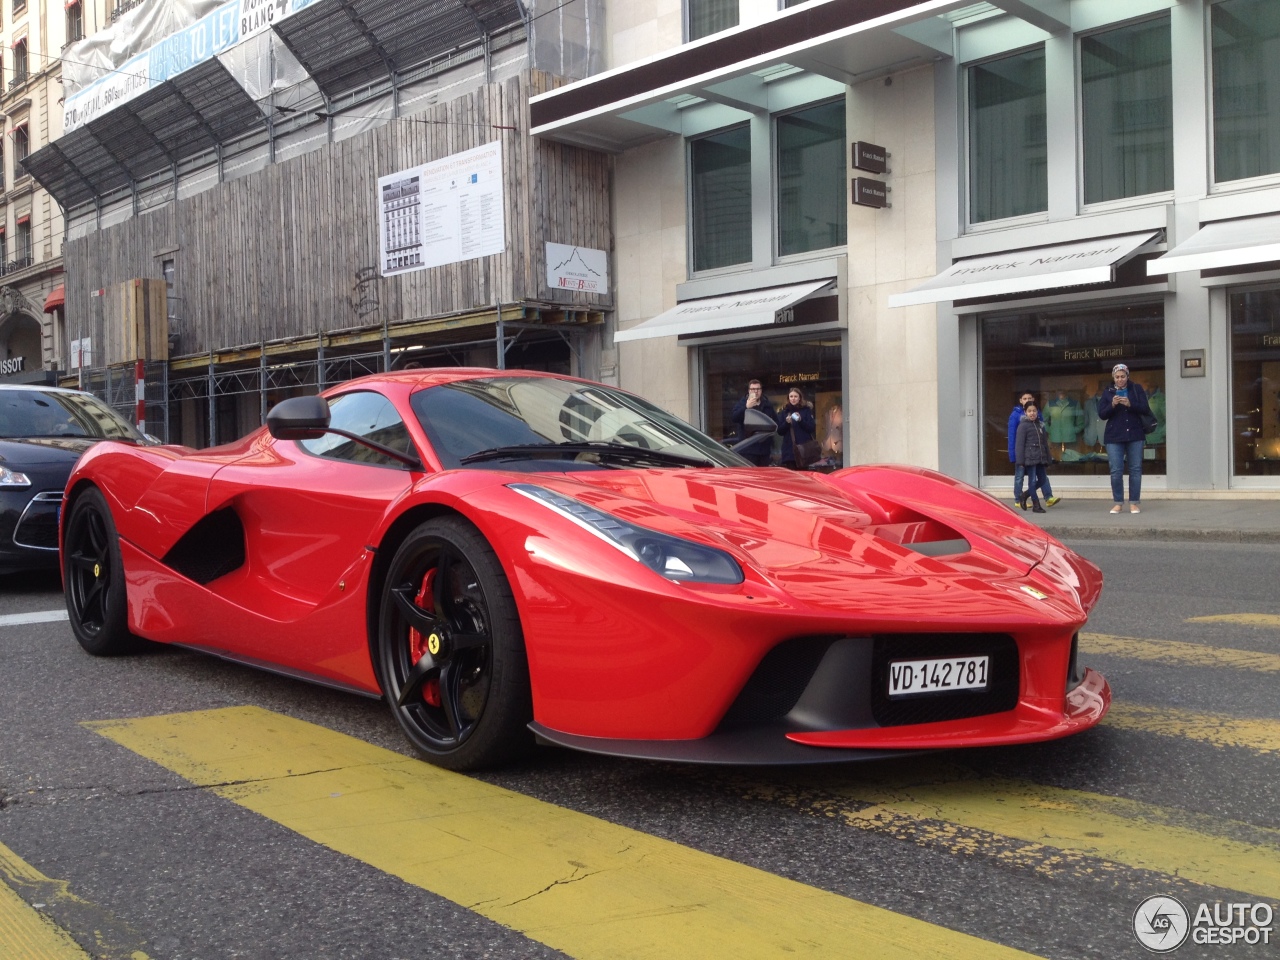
[(169, 805)]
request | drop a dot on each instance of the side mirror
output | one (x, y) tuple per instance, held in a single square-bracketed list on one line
[(757, 421), (756, 424), (299, 418)]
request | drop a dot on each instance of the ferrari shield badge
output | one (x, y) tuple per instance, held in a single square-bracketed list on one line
[(433, 643), (1033, 592)]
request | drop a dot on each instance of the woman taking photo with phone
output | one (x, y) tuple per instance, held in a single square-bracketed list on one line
[(796, 421), (1124, 437)]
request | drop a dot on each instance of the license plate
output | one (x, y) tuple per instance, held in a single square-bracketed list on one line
[(937, 676)]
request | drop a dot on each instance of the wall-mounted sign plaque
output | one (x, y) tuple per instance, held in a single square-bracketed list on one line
[(870, 157), (870, 193)]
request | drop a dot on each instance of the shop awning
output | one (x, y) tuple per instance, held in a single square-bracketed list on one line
[(756, 308), (56, 298), (1226, 243), (1024, 271)]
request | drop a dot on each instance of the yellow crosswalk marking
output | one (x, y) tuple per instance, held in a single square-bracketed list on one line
[(1270, 620), (25, 933), (1179, 653), (1046, 828), (584, 886), (1259, 735)]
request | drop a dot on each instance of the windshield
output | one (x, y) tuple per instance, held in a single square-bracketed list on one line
[(46, 413), (472, 416)]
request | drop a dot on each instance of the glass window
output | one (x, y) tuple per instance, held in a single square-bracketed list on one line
[(1255, 382), (1246, 75), (487, 414), (21, 148), (1126, 90), (50, 413), (1008, 176), (19, 62), (711, 16), (369, 415), (75, 22), (720, 169), (814, 365), (24, 241), (812, 193), (1065, 359)]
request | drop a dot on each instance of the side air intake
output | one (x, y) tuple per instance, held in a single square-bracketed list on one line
[(210, 549)]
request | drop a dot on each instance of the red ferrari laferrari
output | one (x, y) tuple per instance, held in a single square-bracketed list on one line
[(510, 556)]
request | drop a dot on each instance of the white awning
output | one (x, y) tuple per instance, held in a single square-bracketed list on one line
[(1225, 243), (1041, 268), (756, 308)]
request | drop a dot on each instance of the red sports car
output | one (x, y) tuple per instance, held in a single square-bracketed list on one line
[(507, 556)]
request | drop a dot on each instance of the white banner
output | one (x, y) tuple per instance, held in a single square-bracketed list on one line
[(230, 24), (577, 268), (445, 211)]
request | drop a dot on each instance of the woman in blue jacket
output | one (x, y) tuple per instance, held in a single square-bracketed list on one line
[(797, 424), (1120, 407)]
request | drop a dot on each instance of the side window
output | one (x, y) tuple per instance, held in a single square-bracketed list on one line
[(365, 414)]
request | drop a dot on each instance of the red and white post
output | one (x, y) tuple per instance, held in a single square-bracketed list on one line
[(140, 395)]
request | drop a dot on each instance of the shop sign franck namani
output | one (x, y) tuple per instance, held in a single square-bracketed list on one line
[(214, 33)]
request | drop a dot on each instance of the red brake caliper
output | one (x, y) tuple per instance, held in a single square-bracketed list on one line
[(418, 643)]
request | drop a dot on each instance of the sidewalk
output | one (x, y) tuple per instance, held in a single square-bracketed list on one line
[(1238, 521)]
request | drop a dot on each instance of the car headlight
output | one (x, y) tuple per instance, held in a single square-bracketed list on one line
[(11, 479), (671, 557)]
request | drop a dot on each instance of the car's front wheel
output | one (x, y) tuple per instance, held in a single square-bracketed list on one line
[(450, 649), (93, 578)]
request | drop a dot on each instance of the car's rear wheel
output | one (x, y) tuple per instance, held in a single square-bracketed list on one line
[(93, 578), (450, 649)]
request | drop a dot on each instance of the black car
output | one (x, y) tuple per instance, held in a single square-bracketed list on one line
[(43, 432)]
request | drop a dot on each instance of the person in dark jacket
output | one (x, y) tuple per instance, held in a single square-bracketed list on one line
[(1015, 418), (797, 424), (1120, 407), (1031, 446), (755, 399)]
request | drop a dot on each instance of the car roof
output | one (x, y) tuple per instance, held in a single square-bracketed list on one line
[(40, 387)]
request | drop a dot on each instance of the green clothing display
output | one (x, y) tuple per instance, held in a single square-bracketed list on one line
[(1157, 401), (1094, 425), (1065, 420)]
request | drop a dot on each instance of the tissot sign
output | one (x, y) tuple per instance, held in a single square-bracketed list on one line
[(214, 33)]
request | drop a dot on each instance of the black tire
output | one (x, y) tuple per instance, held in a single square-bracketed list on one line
[(466, 704), (93, 578)]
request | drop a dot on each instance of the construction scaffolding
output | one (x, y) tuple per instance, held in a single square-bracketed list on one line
[(204, 401)]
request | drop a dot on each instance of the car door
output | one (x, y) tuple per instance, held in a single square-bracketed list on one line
[(308, 507), (308, 510)]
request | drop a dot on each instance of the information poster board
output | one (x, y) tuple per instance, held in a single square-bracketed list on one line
[(442, 212)]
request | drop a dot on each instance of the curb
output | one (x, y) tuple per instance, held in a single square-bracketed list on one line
[(1183, 534)]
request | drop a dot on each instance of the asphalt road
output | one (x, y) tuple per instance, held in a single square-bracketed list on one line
[(1047, 849)]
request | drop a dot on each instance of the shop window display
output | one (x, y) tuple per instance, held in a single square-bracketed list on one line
[(1255, 382), (1065, 360), (814, 365)]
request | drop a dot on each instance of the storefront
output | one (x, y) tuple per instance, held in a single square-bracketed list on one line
[(789, 337), (814, 365), (1064, 358), (1255, 382)]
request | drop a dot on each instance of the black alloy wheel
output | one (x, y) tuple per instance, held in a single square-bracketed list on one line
[(450, 649), (93, 578)]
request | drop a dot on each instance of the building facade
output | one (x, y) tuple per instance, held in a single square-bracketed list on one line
[(916, 211), (35, 33), (264, 199)]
